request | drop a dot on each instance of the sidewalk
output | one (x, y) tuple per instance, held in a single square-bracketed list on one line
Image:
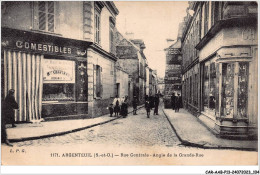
[(30, 131), (192, 133)]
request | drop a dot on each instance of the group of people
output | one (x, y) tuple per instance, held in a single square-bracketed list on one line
[(176, 102), (119, 107), (150, 103)]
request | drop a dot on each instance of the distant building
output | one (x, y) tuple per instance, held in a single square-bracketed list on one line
[(133, 61), (173, 69)]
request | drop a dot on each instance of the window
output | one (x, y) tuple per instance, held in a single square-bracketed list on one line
[(111, 34), (58, 80), (46, 16), (97, 26), (227, 90), (230, 94), (206, 18), (242, 89), (98, 81)]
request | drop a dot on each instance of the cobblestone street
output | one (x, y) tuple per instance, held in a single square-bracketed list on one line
[(134, 130)]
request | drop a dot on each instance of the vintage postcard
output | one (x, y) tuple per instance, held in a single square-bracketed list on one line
[(129, 83)]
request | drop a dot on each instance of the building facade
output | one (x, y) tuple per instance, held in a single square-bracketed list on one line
[(173, 72), (219, 47), (59, 57), (132, 60)]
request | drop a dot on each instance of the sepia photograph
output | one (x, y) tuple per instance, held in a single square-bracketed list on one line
[(130, 83)]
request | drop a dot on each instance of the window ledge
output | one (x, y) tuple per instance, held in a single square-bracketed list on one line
[(45, 32), (61, 102)]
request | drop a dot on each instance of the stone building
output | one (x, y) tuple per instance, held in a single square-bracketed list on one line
[(132, 60), (219, 47), (59, 57), (173, 69)]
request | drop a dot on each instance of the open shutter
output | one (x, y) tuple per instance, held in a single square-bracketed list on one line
[(94, 80), (101, 82)]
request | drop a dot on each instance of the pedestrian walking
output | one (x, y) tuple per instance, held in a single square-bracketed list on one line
[(156, 104), (178, 102), (134, 105), (173, 99), (8, 114), (147, 107), (151, 99), (124, 107)]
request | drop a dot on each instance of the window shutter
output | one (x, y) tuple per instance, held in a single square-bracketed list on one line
[(35, 16), (101, 82), (94, 80), (42, 15), (50, 16)]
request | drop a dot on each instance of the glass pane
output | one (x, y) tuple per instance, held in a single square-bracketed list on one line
[(50, 23), (206, 86), (42, 21), (242, 90), (58, 92), (217, 89), (51, 7), (42, 6), (227, 104), (212, 93)]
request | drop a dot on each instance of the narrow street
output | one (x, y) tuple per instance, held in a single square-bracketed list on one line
[(135, 130)]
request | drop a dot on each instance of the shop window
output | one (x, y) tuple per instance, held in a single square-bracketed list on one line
[(46, 16), (206, 86), (58, 80), (227, 103), (212, 93), (58, 92), (242, 90), (209, 87)]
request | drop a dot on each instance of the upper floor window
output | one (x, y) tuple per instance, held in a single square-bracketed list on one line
[(46, 15), (111, 34), (97, 26)]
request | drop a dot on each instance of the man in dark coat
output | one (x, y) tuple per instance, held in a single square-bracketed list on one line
[(173, 99), (135, 105), (156, 104), (8, 113), (178, 103)]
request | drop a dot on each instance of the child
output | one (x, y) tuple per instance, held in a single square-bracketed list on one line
[(147, 107), (111, 110)]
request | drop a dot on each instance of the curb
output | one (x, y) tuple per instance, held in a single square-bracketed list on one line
[(191, 144), (65, 132)]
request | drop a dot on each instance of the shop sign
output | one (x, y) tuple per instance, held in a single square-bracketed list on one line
[(174, 51), (43, 47), (58, 71)]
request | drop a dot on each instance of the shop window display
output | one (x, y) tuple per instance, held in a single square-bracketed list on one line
[(227, 104), (58, 92), (242, 90), (58, 80), (206, 86), (209, 88)]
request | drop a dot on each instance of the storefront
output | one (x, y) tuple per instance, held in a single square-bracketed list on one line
[(48, 73), (229, 82)]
